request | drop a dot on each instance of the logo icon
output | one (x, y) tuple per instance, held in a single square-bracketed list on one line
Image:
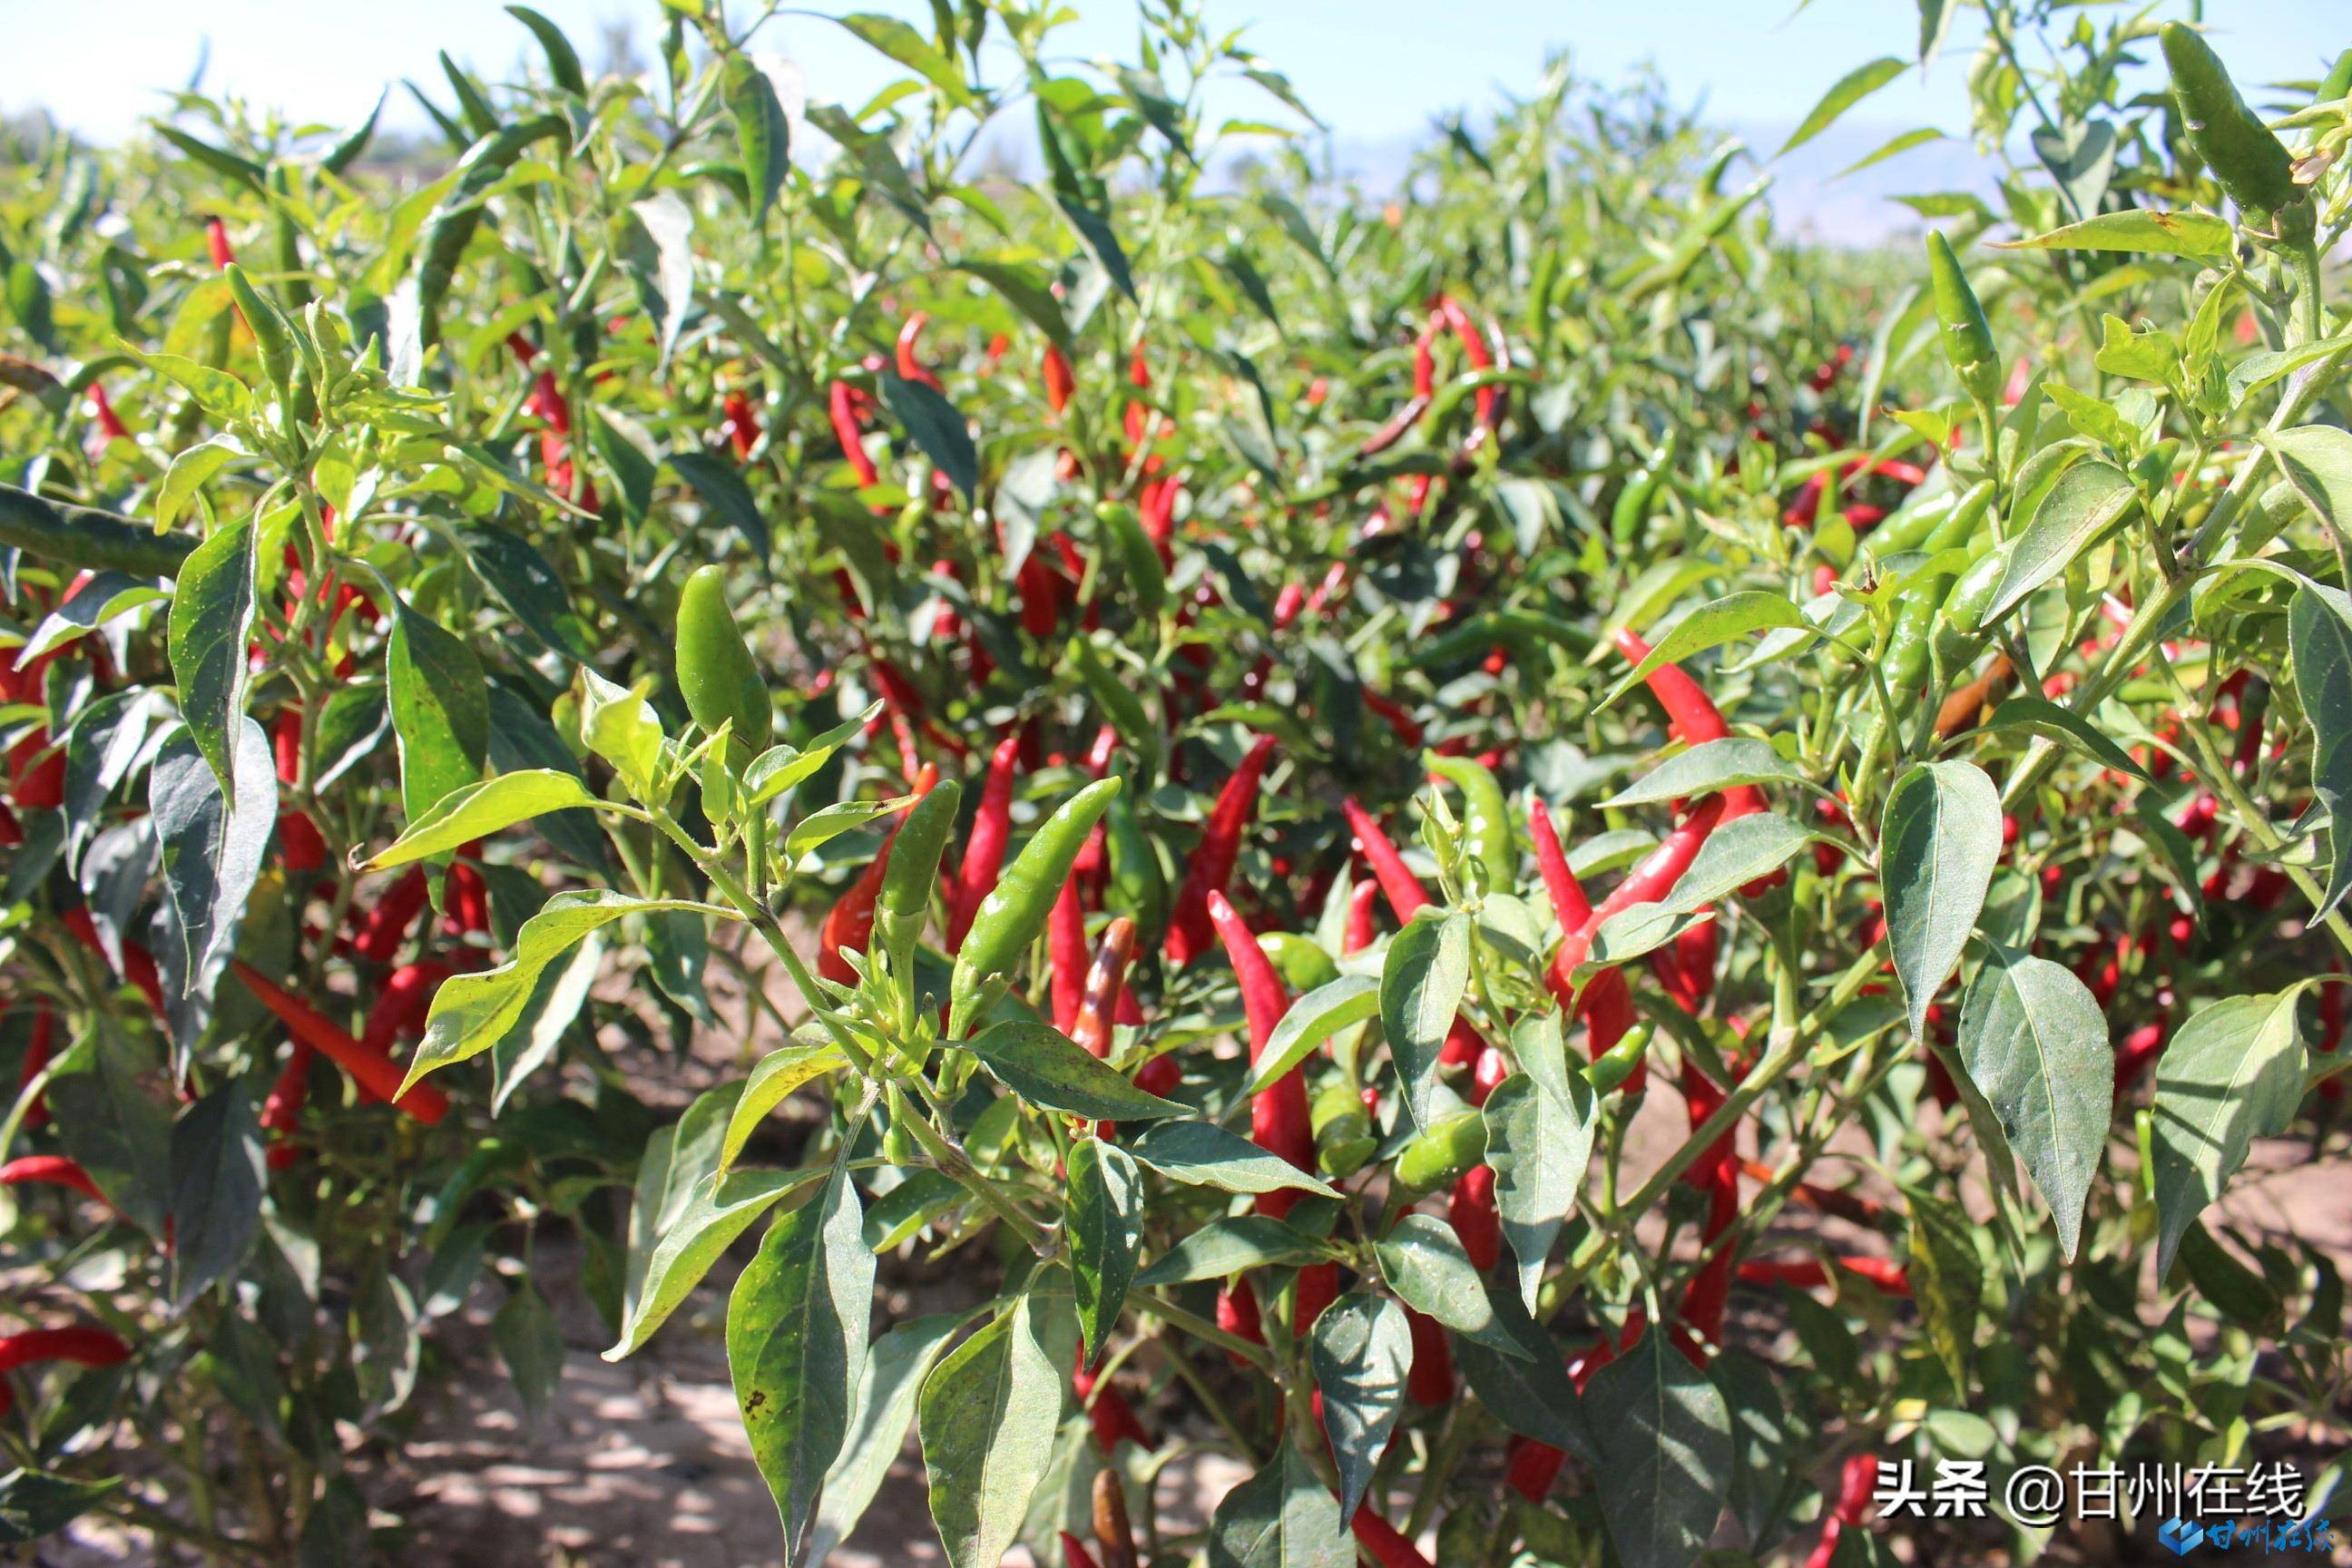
[(2181, 1537)]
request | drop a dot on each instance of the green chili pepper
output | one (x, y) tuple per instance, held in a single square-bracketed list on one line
[(2338, 83), (2250, 163), (1905, 657), (715, 669), (1012, 915), (1442, 1152), (1138, 886), (1617, 1064), (271, 337), (905, 901), (1486, 818), (1968, 336), (1145, 575), (1633, 507)]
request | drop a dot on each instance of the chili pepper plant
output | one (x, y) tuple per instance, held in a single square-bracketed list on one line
[(1543, 874)]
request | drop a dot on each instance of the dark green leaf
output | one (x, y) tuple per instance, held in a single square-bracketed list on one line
[(1666, 1454), (211, 624), (795, 1343), (1105, 1227), (1937, 846)]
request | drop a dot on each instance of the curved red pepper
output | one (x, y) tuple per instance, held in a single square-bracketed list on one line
[(992, 831), (377, 1075), (910, 359), (50, 1170), (1279, 1121), (1211, 868)]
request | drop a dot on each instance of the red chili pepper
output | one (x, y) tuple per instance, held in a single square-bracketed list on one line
[(401, 1005), (1402, 890), (468, 897), (1476, 351), (1279, 1121), (910, 363), (1692, 716), (50, 1170), (992, 830), (1074, 1554), (378, 930), (37, 773), (1107, 1411), (1408, 730), (1237, 1313), (2144, 1045), (1317, 1288), (1857, 1486), (1060, 382), (216, 244), (377, 1075), (1471, 1212), (282, 1111), (849, 925), (742, 425), (1607, 1003), (1065, 950), (1851, 1207), (1646, 883), (1811, 1273), (1211, 868), (1383, 1542), (85, 1344), (37, 1059), (1430, 1382), (842, 407), (1361, 929)]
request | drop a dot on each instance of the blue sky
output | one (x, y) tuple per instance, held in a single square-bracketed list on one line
[(1376, 70)]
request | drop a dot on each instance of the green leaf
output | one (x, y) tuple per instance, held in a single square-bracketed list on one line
[(34, 1503), (192, 469), (1204, 1155), (988, 1416), (1225, 1247), (531, 1345), (780, 1074), (1849, 89), (1664, 1435), (478, 810), (212, 852), (1939, 843), (1104, 1225), (1424, 1262), (472, 1013), (715, 1210), (1947, 1280), (795, 1343), (1709, 768), (1712, 624), (1280, 1518), (2185, 233), (911, 49), (210, 626), (723, 491), (1046, 1067), (762, 133), (1311, 1020), (1540, 1125), (1529, 1392), (2089, 499), (1094, 231), (1422, 982), (440, 711), (2319, 631), (2233, 1074), (1360, 1353), (1892, 147), (2035, 1046), (895, 1365), (932, 423), (217, 1182), (562, 60), (2040, 716), (1027, 290)]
